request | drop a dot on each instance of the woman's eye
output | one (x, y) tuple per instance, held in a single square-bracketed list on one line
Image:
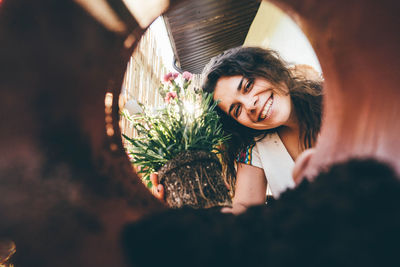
[(237, 111), (248, 86)]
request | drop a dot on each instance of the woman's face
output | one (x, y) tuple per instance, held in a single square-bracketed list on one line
[(257, 104)]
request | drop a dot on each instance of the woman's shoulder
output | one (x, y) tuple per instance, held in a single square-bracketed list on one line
[(246, 154), (249, 154), (271, 148)]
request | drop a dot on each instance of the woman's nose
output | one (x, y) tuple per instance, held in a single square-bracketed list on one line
[(250, 103)]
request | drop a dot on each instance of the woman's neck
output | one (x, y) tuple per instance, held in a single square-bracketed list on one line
[(292, 122)]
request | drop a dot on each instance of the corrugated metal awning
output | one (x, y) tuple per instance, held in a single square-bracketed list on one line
[(202, 29)]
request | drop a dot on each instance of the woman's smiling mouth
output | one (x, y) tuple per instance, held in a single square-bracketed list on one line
[(267, 111)]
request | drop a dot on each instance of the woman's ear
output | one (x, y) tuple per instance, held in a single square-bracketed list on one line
[(301, 164)]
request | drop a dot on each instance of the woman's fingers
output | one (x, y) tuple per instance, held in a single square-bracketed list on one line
[(157, 189), (154, 179), (227, 210), (160, 192), (235, 209)]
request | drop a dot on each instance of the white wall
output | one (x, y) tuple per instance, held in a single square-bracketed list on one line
[(292, 44), (165, 48), (271, 28)]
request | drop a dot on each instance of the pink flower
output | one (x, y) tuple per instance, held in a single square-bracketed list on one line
[(130, 156), (170, 76), (187, 76), (169, 96)]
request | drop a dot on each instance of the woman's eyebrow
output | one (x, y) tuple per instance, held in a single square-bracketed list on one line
[(238, 88)]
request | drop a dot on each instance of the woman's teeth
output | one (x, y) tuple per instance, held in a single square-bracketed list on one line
[(266, 112)]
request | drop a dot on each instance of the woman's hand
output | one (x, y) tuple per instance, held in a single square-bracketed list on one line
[(158, 189), (237, 208), (251, 187)]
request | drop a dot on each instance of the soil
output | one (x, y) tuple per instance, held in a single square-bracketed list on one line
[(194, 179)]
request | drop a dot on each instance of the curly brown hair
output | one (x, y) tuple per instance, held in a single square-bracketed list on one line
[(255, 62)]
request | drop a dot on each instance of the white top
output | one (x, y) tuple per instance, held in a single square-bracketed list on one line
[(271, 155)]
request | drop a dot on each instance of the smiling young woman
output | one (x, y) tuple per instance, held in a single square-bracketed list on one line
[(272, 114), (254, 103)]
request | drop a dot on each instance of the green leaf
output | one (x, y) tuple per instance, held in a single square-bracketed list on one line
[(171, 130)]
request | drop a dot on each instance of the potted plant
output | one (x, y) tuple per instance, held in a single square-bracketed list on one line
[(181, 141)]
